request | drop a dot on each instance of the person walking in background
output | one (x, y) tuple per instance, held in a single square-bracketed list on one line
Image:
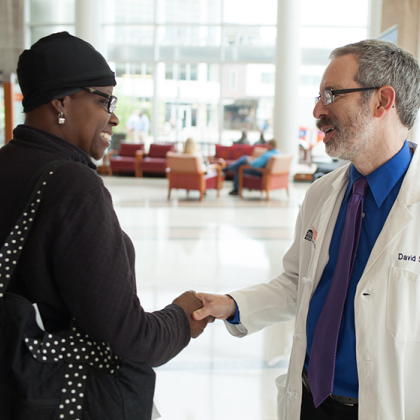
[(259, 162), (133, 128), (351, 277), (144, 126)]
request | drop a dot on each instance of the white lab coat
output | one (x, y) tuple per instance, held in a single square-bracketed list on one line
[(387, 301)]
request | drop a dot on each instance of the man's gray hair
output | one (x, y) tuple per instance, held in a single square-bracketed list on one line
[(273, 143), (384, 63)]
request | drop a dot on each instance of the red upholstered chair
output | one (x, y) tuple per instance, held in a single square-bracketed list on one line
[(275, 176), (155, 161), (186, 172), (129, 154)]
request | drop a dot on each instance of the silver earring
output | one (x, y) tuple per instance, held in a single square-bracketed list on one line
[(61, 119)]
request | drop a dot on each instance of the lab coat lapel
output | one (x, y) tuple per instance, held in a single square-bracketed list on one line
[(400, 215), (327, 221)]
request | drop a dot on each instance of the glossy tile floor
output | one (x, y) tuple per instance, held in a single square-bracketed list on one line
[(219, 245)]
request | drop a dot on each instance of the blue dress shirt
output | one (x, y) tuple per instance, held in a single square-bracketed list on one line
[(384, 186)]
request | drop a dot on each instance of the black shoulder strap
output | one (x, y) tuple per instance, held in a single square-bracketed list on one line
[(27, 208)]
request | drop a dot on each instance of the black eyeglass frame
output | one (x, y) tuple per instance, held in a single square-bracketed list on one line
[(339, 92), (112, 100)]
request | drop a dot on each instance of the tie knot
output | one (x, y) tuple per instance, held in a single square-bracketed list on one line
[(360, 186)]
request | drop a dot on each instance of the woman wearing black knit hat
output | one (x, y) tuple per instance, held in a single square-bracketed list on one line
[(90, 354)]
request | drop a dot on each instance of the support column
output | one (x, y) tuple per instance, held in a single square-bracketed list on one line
[(375, 18), (158, 77), (285, 120), (88, 22), (9, 106), (405, 14)]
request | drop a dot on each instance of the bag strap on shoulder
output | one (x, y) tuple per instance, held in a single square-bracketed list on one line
[(27, 208)]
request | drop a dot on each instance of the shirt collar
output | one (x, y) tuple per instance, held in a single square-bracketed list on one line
[(382, 180)]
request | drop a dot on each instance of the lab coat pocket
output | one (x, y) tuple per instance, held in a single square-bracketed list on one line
[(403, 309), (281, 389)]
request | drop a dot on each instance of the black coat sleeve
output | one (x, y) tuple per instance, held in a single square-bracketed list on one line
[(94, 269)]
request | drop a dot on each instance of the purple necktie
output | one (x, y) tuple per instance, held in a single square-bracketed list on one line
[(324, 347)]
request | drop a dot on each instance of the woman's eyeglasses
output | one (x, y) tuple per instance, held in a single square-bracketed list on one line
[(112, 100)]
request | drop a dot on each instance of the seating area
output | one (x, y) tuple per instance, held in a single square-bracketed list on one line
[(132, 159), (188, 172)]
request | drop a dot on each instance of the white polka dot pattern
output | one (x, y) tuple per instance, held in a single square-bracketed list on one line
[(12, 248), (78, 352)]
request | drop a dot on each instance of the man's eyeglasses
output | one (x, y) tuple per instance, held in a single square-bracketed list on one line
[(327, 96), (112, 100)]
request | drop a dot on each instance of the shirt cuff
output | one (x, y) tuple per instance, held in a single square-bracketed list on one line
[(235, 319)]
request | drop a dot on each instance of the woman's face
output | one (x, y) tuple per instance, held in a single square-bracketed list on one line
[(88, 124)]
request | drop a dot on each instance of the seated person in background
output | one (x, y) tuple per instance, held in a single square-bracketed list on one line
[(258, 162), (190, 148), (244, 138), (261, 140)]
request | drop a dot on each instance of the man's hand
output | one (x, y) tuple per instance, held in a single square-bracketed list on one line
[(217, 306), (189, 303), (249, 159)]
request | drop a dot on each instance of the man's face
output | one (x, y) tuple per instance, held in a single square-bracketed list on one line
[(347, 122)]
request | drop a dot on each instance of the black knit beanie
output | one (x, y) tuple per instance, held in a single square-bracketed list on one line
[(59, 65)]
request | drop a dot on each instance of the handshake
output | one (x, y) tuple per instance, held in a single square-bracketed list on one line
[(202, 308)]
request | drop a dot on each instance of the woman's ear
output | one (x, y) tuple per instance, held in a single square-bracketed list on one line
[(385, 101), (59, 107), (58, 104)]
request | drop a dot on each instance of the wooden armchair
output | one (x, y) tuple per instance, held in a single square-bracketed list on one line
[(274, 176), (187, 172)]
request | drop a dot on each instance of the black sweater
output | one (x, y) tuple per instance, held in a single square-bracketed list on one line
[(77, 262)]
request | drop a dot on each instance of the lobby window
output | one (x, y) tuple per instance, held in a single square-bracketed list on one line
[(169, 71), (233, 80), (194, 72), (212, 72), (201, 57), (267, 78), (183, 72)]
